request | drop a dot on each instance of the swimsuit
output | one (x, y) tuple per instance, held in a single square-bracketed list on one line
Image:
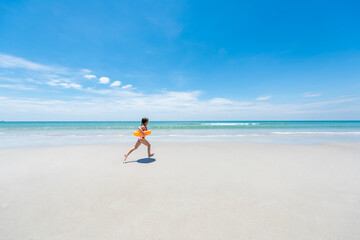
[(142, 137)]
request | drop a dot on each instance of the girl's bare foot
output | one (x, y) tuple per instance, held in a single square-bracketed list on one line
[(151, 155), (125, 158)]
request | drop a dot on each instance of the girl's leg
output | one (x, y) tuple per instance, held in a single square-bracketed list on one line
[(137, 144), (145, 142)]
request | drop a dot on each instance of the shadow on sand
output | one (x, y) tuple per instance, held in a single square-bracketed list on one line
[(143, 160)]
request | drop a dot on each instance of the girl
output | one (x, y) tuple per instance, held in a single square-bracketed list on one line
[(141, 140)]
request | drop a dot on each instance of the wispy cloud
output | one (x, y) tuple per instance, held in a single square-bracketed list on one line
[(86, 71), (175, 105), (309, 95), (100, 91), (171, 105), (72, 85), (331, 102), (8, 61), (19, 69), (220, 101), (263, 98), (89, 76), (105, 102), (64, 84), (18, 87)]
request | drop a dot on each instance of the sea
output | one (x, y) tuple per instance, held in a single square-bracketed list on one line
[(59, 133)]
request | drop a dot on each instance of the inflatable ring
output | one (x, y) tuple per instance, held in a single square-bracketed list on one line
[(138, 133)]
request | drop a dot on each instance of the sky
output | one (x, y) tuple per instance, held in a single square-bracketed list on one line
[(179, 60)]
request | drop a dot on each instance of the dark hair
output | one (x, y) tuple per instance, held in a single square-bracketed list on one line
[(144, 120)]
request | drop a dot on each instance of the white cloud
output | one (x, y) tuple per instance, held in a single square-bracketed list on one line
[(75, 85), (173, 106), (263, 98), (7, 61), (17, 87), (33, 81), (308, 94), (99, 91), (84, 70), (184, 95), (115, 84), (164, 105), (220, 101), (64, 78), (65, 84), (104, 80), (89, 76), (334, 101)]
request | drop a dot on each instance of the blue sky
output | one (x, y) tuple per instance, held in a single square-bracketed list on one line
[(179, 60)]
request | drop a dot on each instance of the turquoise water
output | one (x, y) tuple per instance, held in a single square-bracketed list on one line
[(26, 134)]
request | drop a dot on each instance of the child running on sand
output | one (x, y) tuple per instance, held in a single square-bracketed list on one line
[(141, 140)]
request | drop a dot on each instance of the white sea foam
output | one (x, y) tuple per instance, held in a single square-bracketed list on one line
[(316, 133), (229, 124), (255, 134), (208, 135)]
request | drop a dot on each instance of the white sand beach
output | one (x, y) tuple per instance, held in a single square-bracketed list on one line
[(187, 191)]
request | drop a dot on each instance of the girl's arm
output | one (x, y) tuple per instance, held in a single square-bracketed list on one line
[(140, 128)]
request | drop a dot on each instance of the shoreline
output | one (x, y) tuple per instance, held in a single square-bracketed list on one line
[(283, 141)]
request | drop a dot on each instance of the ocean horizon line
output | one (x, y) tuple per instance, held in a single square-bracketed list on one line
[(353, 120)]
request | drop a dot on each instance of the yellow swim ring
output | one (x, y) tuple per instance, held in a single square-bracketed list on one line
[(138, 133)]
